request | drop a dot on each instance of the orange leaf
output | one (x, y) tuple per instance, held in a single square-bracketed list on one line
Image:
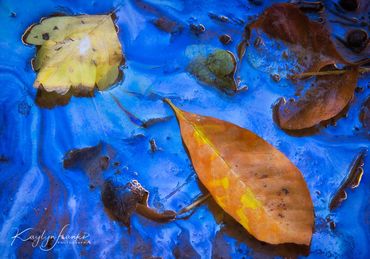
[(251, 180)]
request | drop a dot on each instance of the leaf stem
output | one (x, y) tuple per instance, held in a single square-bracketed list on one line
[(194, 204), (326, 73)]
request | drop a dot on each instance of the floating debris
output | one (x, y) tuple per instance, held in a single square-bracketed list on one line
[(167, 25), (220, 18), (352, 180), (153, 121), (276, 77), (225, 39), (153, 145), (197, 28), (123, 199)]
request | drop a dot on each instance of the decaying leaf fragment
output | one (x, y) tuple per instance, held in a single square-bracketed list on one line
[(75, 53), (251, 180), (309, 40), (352, 180), (123, 199), (325, 99)]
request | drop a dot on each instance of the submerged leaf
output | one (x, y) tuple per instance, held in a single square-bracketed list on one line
[(251, 180), (313, 51), (217, 68), (365, 114), (309, 40), (75, 53), (327, 98), (92, 160)]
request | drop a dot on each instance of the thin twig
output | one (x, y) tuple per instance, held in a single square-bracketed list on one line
[(194, 204), (329, 72), (131, 116)]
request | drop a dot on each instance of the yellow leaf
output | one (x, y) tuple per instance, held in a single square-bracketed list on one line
[(75, 52), (251, 180)]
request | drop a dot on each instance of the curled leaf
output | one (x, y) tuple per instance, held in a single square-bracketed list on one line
[(217, 68), (251, 180), (75, 53), (352, 180), (325, 99), (124, 199)]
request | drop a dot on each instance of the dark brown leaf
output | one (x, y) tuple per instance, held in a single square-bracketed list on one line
[(309, 40)]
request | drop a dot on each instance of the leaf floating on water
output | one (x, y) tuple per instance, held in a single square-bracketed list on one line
[(75, 53), (124, 199), (327, 98), (251, 180), (218, 69), (352, 180), (309, 40)]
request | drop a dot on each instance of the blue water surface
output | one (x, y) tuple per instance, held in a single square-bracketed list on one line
[(37, 192)]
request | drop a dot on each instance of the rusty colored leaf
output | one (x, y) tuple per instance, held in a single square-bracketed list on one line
[(326, 99), (315, 51), (309, 40), (251, 180)]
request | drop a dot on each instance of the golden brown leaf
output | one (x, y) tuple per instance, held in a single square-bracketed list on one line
[(251, 180)]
